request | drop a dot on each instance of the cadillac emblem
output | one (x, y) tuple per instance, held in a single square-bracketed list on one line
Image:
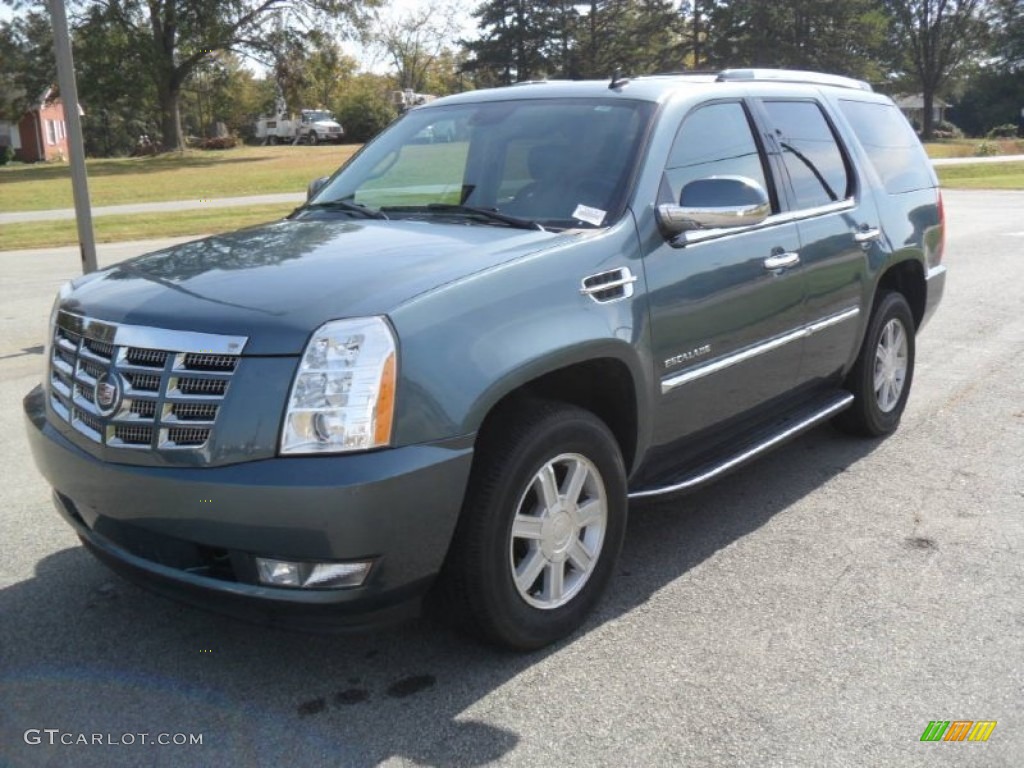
[(108, 393)]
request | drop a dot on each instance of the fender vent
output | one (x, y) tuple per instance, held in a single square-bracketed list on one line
[(613, 285)]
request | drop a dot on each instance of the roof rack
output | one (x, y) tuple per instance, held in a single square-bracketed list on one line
[(792, 76)]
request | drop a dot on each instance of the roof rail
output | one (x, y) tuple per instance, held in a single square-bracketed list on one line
[(792, 76)]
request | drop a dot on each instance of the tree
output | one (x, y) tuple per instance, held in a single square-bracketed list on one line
[(935, 37), (413, 42), (364, 109), (847, 38), (513, 43), (174, 37), (27, 63)]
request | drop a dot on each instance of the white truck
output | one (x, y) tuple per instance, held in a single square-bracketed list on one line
[(313, 126)]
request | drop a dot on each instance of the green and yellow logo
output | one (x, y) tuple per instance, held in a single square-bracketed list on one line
[(958, 730)]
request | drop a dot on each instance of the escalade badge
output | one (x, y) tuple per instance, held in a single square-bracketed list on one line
[(108, 393)]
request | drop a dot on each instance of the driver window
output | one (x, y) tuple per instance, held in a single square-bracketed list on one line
[(714, 140)]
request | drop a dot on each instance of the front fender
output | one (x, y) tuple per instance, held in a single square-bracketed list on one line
[(467, 345)]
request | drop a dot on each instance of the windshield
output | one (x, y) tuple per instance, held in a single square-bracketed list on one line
[(316, 116), (555, 163)]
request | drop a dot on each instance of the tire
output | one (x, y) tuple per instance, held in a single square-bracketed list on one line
[(881, 378), (528, 561), (313, 139), (272, 141)]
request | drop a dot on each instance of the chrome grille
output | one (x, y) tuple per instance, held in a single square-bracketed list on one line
[(171, 384), (150, 358)]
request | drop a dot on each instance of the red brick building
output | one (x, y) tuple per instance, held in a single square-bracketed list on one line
[(42, 130)]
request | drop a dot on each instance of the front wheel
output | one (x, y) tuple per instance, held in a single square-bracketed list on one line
[(541, 526), (880, 379), (313, 139)]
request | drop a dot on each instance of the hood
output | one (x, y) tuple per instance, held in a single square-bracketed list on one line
[(326, 124), (278, 282)]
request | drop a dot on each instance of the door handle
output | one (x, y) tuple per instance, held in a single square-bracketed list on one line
[(782, 260), (867, 234)]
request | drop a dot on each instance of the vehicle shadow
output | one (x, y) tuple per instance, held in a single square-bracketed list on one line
[(85, 652)]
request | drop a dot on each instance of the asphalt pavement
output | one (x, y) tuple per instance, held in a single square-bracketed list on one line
[(817, 608)]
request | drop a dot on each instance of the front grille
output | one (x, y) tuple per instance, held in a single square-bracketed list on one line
[(139, 388), (150, 358)]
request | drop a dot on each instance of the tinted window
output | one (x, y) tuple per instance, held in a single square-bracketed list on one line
[(714, 141), (891, 145), (810, 152)]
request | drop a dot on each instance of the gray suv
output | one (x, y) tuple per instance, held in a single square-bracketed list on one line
[(512, 313)]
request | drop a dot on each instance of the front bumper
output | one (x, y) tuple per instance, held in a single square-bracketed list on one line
[(193, 533)]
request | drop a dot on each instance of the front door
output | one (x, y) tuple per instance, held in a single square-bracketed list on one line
[(725, 318)]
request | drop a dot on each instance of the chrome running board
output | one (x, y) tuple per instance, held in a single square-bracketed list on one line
[(708, 472)]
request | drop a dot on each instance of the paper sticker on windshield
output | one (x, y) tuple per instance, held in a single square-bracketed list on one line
[(590, 215)]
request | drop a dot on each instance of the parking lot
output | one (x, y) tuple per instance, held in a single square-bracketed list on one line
[(817, 608)]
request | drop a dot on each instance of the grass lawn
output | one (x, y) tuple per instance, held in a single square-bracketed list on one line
[(262, 170), (110, 229), (969, 147), (983, 176), (191, 175)]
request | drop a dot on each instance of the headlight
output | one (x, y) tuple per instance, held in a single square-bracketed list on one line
[(343, 396)]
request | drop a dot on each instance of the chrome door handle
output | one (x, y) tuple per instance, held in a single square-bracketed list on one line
[(867, 234), (783, 260)]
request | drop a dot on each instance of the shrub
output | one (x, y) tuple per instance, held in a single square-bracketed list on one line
[(1004, 131), (6, 154), (364, 109), (986, 149), (943, 129)]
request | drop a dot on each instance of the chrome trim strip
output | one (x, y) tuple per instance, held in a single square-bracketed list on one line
[(750, 453), (699, 372), (935, 272), (697, 236), (151, 338)]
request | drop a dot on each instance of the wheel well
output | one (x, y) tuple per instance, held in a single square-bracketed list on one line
[(603, 386), (906, 277)]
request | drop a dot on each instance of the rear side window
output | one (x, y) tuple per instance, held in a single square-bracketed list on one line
[(891, 145), (810, 152), (715, 140)]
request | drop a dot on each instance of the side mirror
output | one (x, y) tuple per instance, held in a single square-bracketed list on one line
[(315, 186), (719, 202)]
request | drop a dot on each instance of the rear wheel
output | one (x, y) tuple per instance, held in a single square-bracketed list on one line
[(880, 379), (541, 526), (272, 141)]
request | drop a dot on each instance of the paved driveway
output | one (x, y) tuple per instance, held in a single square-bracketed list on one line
[(817, 608)]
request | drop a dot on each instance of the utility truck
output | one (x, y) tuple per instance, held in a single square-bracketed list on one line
[(313, 126)]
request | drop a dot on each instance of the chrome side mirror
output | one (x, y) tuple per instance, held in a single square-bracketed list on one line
[(315, 186), (719, 202)]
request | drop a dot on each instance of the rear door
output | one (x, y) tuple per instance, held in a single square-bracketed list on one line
[(838, 227)]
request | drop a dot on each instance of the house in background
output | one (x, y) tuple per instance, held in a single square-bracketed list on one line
[(912, 105), (42, 131), (10, 136)]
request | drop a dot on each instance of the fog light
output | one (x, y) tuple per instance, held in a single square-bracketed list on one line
[(285, 573)]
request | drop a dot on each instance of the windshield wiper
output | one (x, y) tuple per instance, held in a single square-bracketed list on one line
[(486, 214), (343, 205)]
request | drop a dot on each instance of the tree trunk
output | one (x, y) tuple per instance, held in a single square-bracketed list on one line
[(170, 117), (928, 98)]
